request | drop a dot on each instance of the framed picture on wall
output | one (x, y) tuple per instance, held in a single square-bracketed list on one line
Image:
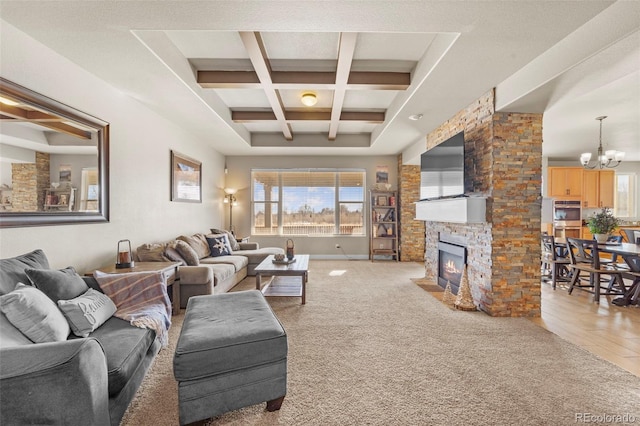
[(382, 174), (186, 179)]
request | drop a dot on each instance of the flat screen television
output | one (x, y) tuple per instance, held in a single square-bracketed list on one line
[(442, 170)]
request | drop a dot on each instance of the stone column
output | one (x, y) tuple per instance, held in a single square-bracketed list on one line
[(411, 230)]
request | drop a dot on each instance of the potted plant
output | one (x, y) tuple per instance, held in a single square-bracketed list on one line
[(602, 224)]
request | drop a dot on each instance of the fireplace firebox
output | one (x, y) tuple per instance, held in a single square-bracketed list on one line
[(452, 256)]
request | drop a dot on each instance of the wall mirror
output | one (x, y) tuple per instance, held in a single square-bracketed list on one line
[(54, 161)]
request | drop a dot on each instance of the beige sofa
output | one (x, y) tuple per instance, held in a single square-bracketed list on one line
[(200, 272)]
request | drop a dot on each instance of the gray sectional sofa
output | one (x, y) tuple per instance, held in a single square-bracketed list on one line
[(93, 379), (201, 272), (75, 381)]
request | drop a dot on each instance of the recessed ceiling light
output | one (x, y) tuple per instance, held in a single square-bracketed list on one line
[(309, 99), (415, 117)]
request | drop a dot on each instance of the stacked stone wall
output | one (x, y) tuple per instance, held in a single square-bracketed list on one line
[(412, 237), (24, 179), (503, 163), (30, 181)]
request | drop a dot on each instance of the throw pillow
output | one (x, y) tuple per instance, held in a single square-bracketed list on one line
[(87, 312), (151, 253), (10, 336), (172, 254), (219, 245), (198, 242), (187, 253), (62, 284), (12, 270), (34, 314), (232, 239)]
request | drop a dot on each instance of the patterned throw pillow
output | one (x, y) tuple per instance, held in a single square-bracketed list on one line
[(87, 312), (232, 239), (219, 245)]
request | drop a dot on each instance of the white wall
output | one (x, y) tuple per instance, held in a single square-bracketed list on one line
[(239, 177), (140, 141)]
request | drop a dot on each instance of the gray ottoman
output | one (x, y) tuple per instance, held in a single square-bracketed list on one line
[(231, 353)]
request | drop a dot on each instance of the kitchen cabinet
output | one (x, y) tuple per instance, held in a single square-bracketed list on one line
[(565, 182), (597, 188)]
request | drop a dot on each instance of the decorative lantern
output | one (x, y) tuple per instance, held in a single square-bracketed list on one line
[(290, 249), (124, 258)]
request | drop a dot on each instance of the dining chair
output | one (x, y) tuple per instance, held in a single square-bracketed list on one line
[(629, 234), (612, 259), (556, 265), (584, 257), (632, 295)]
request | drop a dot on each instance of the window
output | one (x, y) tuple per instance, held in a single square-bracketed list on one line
[(318, 202), (624, 197)]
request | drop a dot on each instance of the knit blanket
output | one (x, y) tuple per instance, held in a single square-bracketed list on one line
[(141, 299)]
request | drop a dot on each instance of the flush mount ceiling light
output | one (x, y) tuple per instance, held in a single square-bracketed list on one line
[(415, 117), (309, 99), (610, 158)]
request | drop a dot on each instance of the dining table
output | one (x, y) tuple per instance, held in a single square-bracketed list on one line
[(632, 295)]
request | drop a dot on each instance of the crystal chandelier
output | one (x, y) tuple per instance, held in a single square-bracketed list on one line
[(610, 158)]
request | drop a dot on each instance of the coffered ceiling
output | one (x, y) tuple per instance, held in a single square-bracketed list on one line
[(234, 72), (352, 76)]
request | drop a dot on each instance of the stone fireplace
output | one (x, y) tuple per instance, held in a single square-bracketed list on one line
[(503, 165), (452, 257)]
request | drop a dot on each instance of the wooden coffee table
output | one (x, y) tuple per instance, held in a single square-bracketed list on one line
[(284, 281)]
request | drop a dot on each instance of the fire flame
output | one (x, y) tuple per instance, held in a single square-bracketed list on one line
[(450, 267)]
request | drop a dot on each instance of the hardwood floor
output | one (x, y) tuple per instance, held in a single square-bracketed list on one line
[(606, 330)]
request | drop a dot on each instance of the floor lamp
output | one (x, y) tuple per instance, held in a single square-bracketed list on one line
[(230, 199)]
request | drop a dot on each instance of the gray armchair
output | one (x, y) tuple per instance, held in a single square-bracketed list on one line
[(54, 383)]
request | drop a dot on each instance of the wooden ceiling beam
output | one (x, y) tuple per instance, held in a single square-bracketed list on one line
[(307, 79), (257, 54), (345, 59), (302, 80), (17, 112), (65, 128), (228, 80), (365, 117), (252, 116), (11, 113), (378, 80)]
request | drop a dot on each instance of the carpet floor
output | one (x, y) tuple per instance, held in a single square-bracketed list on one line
[(370, 347)]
